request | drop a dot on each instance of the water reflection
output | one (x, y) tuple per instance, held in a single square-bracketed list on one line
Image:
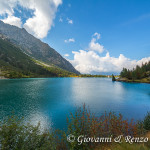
[(97, 93), (51, 100), (39, 117), (102, 95)]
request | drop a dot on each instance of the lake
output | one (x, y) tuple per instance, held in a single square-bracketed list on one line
[(50, 100)]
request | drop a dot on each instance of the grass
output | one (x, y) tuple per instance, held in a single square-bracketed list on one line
[(144, 80)]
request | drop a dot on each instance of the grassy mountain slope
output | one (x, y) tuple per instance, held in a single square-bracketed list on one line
[(14, 64), (35, 47)]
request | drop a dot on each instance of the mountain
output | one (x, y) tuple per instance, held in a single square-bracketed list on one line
[(16, 64), (35, 47)]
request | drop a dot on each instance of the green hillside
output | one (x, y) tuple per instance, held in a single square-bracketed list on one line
[(35, 47), (16, 64)]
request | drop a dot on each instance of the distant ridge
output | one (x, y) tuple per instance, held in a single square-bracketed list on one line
[(35, 47)]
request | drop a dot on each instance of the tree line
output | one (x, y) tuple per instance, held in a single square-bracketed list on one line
[(139, 72)]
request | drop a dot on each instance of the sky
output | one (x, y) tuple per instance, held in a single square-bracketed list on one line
[(96, 36)]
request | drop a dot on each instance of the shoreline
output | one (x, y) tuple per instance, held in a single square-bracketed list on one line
[(145, 80), (3, 77), (71, 76)]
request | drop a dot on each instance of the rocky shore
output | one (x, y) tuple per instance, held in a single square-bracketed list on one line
[(1, 77)]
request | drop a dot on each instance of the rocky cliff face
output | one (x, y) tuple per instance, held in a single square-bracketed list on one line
[(35, 47)]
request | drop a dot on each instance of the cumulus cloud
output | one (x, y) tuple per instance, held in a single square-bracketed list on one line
[(95, 46), (69, 40), (6, 7), (66, 55), (89, 61), (43, 14), (69, 21), (97, 35), (12, 20)]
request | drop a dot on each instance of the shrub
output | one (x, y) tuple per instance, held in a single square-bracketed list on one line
[(146, 122), (83, 122), (15, 136)]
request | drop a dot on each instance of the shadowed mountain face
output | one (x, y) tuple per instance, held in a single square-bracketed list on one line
[(35, 47), (14, 63), (12, 59)]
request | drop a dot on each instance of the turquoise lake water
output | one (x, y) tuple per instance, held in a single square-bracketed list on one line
[(49, 100)]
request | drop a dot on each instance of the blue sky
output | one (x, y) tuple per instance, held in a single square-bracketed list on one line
[(123, 27)]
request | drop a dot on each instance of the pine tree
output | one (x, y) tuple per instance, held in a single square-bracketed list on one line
[(113, 78)]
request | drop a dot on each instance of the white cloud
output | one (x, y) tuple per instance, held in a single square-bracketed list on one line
[(6, 7), (12, 20), (97, 35), (41, 21), (94, 46), (69, 40), (60, 19), (66, 55), (69, 21), (88, 61)]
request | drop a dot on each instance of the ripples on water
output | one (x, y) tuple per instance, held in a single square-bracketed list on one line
[(49, 100)]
